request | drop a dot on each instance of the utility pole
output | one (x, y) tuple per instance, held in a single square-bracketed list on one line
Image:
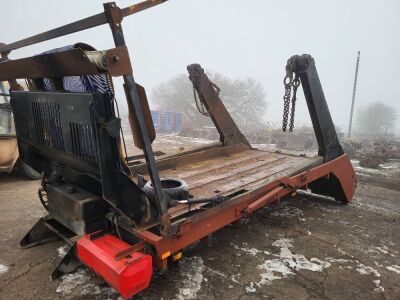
[(354, 95)]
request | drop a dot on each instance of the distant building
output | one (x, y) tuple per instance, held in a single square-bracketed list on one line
[(167, 121)]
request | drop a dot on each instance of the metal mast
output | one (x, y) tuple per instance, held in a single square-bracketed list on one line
[(354, 95)]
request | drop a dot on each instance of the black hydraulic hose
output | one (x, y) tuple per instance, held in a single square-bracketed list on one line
[(215, 200)]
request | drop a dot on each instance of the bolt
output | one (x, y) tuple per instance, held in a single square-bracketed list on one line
[(115, 58), (117, 24), (113, 5), (70, 189)]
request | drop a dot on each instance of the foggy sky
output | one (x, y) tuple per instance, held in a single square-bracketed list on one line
[(241, 39)]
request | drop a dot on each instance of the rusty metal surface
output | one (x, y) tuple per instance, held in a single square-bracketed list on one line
[(190, 158), (138, 111), (210, 220), (73, 62), (137, 139), (83, 24), (128, 251), (118, 62), (237, 173), (229, 132), (135, 8), (67, 63), (8, 153)]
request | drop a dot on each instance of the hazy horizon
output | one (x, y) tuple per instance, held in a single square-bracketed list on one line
[(241, 39)]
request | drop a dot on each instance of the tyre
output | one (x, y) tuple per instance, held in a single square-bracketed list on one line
[(28, 172), (175, 188)]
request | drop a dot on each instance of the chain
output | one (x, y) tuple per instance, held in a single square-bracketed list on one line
[(291, 84), (295, 85), (200, 105)]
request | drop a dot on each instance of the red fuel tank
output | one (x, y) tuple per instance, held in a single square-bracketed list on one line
[(129, 275)]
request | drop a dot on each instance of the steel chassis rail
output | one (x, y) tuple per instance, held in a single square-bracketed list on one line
[(209, 221)]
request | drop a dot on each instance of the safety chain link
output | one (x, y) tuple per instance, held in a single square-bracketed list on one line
[(291, 84), (200, 105)]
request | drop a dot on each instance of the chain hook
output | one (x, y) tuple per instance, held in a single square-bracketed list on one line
[(291, 84)]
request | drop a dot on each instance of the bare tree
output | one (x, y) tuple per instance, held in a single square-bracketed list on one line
[(376, 118), (244, 99)]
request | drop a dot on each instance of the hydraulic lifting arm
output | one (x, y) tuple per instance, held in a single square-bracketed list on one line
[(229, 133), (328, 143)]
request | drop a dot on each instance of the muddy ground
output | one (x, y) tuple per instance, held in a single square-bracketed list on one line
[(299, 249)]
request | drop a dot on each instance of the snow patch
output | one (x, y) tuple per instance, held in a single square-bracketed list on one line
[(3, 269), (286, 211), (81, 283), (338, 260), (192, 269), (251, 288), (367, 270), (394, 268), (383, 249), (235, 277), (216, 272), (387, 169), (62, 251), (379, 288), (287, 263), (250, 251)]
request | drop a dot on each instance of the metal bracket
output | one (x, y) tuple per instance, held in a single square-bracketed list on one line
[(288, 183), (68, 264), (39, 234), (113, 15)]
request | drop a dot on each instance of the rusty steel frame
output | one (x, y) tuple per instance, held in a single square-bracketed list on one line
[(212, 219), (87, 23), (74, 62), (229, 133), (180, 234), (112, 15)]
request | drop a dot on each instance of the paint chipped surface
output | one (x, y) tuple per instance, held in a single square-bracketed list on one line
[(191, 269), (3, 269)]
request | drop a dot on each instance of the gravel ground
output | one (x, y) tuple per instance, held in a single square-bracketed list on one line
[(299, 249)]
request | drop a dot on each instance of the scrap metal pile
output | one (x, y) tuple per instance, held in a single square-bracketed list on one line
[(379, 153)]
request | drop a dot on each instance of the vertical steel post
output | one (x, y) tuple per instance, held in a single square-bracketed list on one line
[(114, 17), (354, 95), (328, 143)]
